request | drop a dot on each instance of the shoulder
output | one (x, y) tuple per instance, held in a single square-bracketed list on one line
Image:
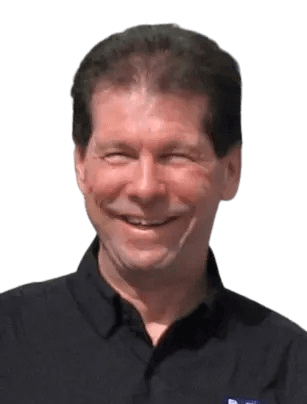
[(31, 300), (252, 317)]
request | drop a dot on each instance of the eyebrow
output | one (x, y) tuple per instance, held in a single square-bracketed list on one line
[(170, 146)]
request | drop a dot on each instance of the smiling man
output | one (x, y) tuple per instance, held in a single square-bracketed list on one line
[(146, 318), (152, 185)]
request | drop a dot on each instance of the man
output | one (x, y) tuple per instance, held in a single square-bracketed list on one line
[(146, 319)]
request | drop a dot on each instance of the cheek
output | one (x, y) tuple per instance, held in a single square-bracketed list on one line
[(194, 185), (104, 184)]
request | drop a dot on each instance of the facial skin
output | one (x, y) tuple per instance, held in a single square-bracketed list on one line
[(146, 178)]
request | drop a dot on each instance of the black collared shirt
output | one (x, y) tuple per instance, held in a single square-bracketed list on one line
[(73, 340)]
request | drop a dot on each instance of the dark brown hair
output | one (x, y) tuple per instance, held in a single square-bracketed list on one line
[(167, 59)]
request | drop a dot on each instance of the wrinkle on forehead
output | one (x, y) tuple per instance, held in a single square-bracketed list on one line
[(167, 105)]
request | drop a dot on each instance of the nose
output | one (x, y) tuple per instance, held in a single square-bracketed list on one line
[(146, 183)]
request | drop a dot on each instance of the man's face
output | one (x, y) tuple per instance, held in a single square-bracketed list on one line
[(149, 159)]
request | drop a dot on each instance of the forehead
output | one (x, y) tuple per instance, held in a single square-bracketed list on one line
[(138, 116)]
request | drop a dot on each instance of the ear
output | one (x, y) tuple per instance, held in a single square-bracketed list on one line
[(232, 173), (80, 161)]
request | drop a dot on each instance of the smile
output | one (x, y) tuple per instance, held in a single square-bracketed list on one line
[(146, 226)]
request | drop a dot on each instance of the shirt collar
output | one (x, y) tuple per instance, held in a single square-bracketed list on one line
[(90, 290)]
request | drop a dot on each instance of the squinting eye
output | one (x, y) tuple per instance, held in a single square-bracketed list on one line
[(183, 156), (115, 154), (119, 157)]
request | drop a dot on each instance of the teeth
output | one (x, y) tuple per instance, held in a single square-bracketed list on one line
[(144, 222)]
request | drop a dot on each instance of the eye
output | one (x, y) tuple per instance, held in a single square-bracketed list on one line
[(177, 156), (116, 154), (118, 157)]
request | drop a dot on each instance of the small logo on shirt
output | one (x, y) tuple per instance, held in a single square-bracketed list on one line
[(241, 400)]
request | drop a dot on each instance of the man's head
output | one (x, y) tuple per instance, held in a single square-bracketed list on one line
[(147, 106), (163, 59)]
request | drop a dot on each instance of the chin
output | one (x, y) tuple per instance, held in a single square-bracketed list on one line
[(146, 260)]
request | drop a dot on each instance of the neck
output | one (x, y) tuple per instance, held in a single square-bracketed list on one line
[(159, 301)]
